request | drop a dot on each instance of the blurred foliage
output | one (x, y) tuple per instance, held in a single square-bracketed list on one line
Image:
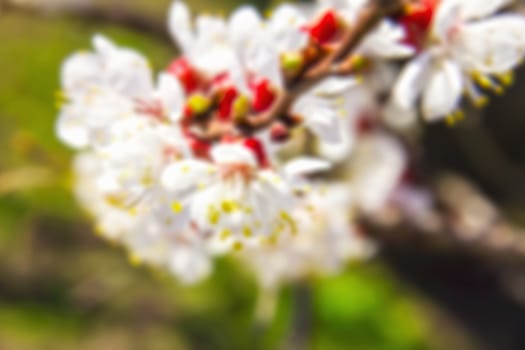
[(63, 288)]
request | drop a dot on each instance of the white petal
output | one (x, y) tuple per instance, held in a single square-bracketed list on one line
[(71, 129), (386, 42), (337, 152), (243, 24), (233, 154), (186, 175), (447, 16), (128, 72), (475, 9), (320, 117), (494, 45), (179, 25), (304, 166), (376, 170), (103, 45), (284, 29), (213, 59), (211, 29), (334, 85), (262, 59), (411, 82), (399, 118), (189, 264), (171, 94), (443, 91), (80, 72)]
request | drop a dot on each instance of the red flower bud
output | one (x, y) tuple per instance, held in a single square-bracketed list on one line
[(200, 148), (279, 132), (263, 94), (258, 150), (417, 20), (325, 28), (226, 102), (187, 75)]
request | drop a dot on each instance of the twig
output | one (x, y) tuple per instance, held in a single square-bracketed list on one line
[(120, 16), (332, 64), (463, 220)]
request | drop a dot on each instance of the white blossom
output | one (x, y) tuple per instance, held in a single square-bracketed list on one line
[(325, 241), (232, 198), (188, 166), (467, 46)]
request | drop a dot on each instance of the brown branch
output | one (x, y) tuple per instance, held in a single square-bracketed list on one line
[(215, 129), (369, 17), (463, 220), (93, 13), (332, 64)]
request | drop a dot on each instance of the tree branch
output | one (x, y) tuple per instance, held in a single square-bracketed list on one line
[(462, 220), (332, 64), (93, 13)]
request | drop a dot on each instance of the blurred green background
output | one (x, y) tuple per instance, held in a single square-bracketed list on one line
[(61, 287)]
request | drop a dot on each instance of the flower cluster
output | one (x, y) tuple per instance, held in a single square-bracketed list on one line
[(269, 136)]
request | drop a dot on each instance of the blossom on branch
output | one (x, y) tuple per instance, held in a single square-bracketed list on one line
[(268, 138)]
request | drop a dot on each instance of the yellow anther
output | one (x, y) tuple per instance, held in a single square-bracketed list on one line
[(358, 62), (247, 231), (213, 215), (292, 61), (229, 206), (240, 107), (507, 79), (199, 104), (270, 240), (498, 90), (177, 207), (147, 180), (225, 234), (116, 201), (454, 117), (238, 246), (481, 102), (482, 80)]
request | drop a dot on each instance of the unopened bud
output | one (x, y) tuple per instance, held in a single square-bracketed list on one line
[(325, 28), (198, 104), (358, 62), (240, 107), (292, 61), (279, 132)]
